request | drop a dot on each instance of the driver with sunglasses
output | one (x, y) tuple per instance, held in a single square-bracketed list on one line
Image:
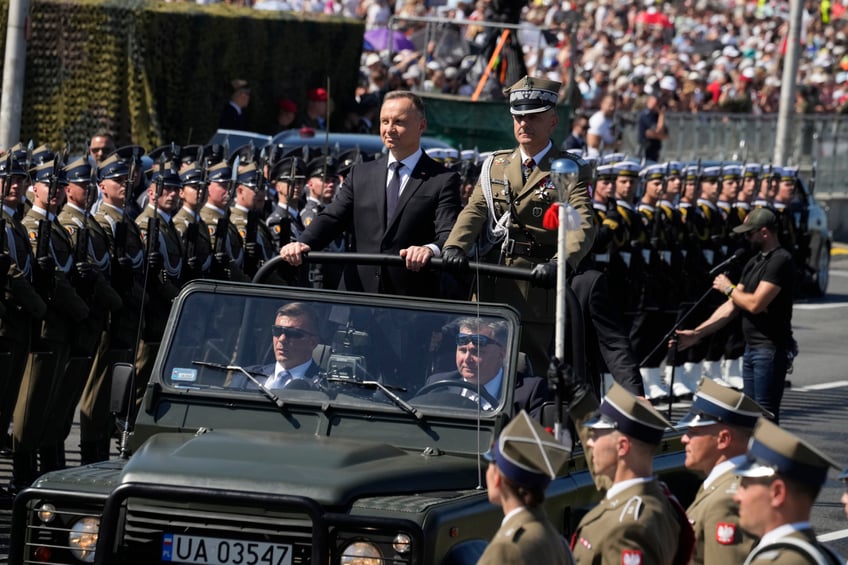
[(480, 352)]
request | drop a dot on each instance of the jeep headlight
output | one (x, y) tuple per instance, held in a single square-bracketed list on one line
[(83, 538), (361, 553)]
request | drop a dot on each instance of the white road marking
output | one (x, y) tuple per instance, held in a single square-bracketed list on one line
[(839, 273), (833, 536), (820, 306), (822, 386)]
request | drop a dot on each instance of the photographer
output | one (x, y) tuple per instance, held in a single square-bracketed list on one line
[(651, 127)]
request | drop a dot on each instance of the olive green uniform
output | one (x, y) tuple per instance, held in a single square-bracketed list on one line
[(529, 242), (527, 537), (162, 288), (198, 250), (232, 246), (264, 237), (783, 551), (715, 518)]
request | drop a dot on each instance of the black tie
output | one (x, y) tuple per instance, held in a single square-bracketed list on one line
[(529, 165), (393, 189)]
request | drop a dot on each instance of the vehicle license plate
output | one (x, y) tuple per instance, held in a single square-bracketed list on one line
[(179, 548)]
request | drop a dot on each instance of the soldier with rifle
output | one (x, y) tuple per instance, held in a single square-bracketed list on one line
[(245, 215), (197, 242), (227, 247), (288, 175), (90, 338), (60, 282), (23, 307), (126, 277), (163, 271)]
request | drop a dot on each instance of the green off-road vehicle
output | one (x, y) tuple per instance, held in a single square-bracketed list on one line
[(361, 466)]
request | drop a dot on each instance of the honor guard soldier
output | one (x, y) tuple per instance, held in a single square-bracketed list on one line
[(603, 204), (82, 380), (194, 233), (768, 187), (717, 430), (780, 480), (228, 257), (731, 176), (638, 521), (322, 179), (246, 215), (626, 269), (750, 183), (164, 254), (522, 462), (57, 280), (788, 225), (514, 191), (288, 175), (22, 306)]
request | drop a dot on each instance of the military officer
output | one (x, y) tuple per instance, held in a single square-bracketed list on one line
[(246, 216), (22, 305), (54, 275), (780, 480), (321, 187), (638, 521), (515, 190), (194, 233), (228, 258), (164, 255), (522, 462), (717, 430), (91, 245), (288, 175)]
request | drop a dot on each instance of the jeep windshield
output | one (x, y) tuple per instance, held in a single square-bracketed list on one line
[(368, 352)]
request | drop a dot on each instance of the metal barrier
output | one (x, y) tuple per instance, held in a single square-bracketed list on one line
[(714, 136)]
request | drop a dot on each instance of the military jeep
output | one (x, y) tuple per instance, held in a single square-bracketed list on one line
[(360, 467)]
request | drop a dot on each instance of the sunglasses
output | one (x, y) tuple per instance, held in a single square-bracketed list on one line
[(290, 333), (475, 339)]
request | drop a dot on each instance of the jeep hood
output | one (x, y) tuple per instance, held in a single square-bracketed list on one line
[(330, 471)]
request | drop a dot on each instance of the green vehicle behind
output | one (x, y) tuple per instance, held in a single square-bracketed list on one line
[(359, 468)]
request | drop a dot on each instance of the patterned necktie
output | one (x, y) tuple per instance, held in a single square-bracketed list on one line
[(393, 189), (278, 381), (529, 166)]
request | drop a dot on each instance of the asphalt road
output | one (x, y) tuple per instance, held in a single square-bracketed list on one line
[(814, 407)]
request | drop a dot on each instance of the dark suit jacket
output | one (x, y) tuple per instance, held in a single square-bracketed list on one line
[(231, 119), (530, 392), (607, 344), (425, 214)]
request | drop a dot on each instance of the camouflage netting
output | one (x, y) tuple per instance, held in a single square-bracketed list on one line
[(155, 72)]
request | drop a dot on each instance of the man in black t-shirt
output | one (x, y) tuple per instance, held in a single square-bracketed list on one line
[(764, 299)]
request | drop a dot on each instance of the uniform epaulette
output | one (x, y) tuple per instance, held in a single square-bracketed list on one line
[(632, 509)]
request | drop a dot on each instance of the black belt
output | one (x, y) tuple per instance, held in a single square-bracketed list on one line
[(529, 249)]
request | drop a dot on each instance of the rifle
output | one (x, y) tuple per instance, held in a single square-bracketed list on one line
[(251, 232), (5, 259), (222, 228), (43, 275), (152, 246), (192, 229)]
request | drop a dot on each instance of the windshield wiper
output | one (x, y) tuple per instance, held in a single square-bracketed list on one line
[(273, 397), (400, 402)]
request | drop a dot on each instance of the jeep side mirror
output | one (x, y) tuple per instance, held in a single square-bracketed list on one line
[(123, 383)]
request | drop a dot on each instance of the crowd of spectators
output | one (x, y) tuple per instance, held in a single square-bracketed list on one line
[(699, 55)]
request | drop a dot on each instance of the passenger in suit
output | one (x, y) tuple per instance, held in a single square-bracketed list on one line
[(406, 209), (295, 334), (480, 362), (522, 463)]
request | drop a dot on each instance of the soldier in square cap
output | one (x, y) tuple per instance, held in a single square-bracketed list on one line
[(717, 430), (519, 185), (638, 521), (246, 215), (522, 462), (780, 480), (288, 175), (228, 257), (197, 243), (321, 183)]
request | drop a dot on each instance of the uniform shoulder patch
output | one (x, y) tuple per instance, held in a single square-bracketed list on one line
[(307, 221), (70, 229), (632, 509), (725, 533), (276, 228), (631, 557), (33, 235)]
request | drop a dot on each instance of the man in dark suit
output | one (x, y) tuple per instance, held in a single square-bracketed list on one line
[(232, 114), (407, 208), (295, 334), (480, 362)]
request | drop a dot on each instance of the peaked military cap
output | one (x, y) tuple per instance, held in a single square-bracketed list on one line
[(220, 172), (248, 175), (44, 173), (612, 158), (171, 152), (716, 404), (246, 154), (632, 416), (347, 159), (711, 174), (41, 155), (653, 172), (191, 173), (317, 168), (626, 169), (691, 172), (282, 169), (470, 155), (789, 173), (774, 451), (730, 172), (169, 174), (532, 95), (605, 172), (527, 454), (17, 168), (78, 171), (128, 152), (675, 168), (211, 153), (751, 170), (113, 167), (756, 219)]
